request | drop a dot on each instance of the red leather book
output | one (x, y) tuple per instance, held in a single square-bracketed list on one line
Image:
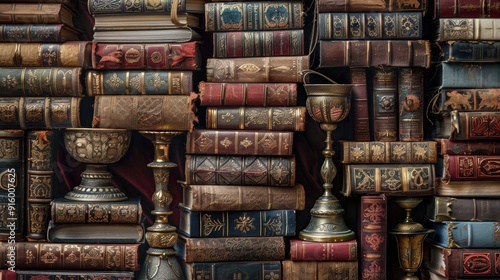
[(360, 105), (456, 147), (325, 6), (466, 9), (411, 104), (247, 94), (373, 237), (301, 250), (385, 106), (469, 167), (240, 142)]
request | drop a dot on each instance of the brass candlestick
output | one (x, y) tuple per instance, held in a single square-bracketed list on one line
[(410, 237), (161, 260), (327, 104)]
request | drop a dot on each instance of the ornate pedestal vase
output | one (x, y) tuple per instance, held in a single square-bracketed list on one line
[(161, 260), (410, 237), (327, 104), (97, 147)]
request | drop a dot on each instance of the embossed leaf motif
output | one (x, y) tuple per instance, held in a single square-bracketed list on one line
[(244, 223), (210, 225)]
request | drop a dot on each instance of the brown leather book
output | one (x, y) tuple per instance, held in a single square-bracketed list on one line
[(388, 152), (475, 125), (447, 208), (466, 9), (37, 33), (466, 99), (326, 6), (468, 188), (36, 13), (385, 104), (240, 142), (242, 198), (360, 107), (319, 270), (265, 118), (411, 104), (240, 170)]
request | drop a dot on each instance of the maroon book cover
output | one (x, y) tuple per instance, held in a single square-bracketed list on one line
[(360, 105)]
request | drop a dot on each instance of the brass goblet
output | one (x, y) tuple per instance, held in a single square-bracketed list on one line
[(97, 147), (327, 104)]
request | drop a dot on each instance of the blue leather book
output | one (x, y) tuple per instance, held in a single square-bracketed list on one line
[(236, 223), (467, 234), (255, 270), (359, 26), (466, 75), (466, 51)]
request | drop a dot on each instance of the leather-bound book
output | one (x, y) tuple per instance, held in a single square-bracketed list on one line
[(468, 188), (125, 8), (246, 16), (69, 3), (243, 198), (385, 101), (388, 152), (466, 234), (319, 270), (466, 51), (466, 9), (457, 147), (360, 104), (36, 13), (255, 270), (168, 56), (366, 53), (240, 142), (447, 208), (89, 233), (468, 167), (369, 26), (39, 112), (328, 6), (411, 104), (301, 250), (467, 29), (37, 33), (73, 275), (248, 94), (278, 69), (465, 75), (466, 99), (389, 179), (67, 54), (240, 170), (475, 125)]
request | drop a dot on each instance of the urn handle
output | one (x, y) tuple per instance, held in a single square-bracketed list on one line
[(307, 72)]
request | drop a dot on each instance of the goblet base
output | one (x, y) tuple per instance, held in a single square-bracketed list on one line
[(161, 264)]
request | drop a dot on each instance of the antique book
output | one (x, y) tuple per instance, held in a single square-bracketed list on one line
[(467, 29), (466, 234), (12, 185), (457, 147), (124, 8), (240, 142), (388, 152), (328, 6), (385, 99), (465, 75), (279, 69), (67, 54), (466, 9), (162, 112), (301, 250), (242, 198), (370, 26), (146, 21), (230, 249), (41, 148), (446, 208), (88, 233), (247, 94), (466, 51), (73, 275), (69, 3), (36, 13), (201, 169), (141, 36), (71, 256), (373, 236), (468, 167), (41, 81), (173, 56), (411, 104), (453, 263), (37, 33), (236, 223), (476, 125), (72, 211), (39, 112), (466, 99), (391, 179), (319, 270), (286, 42), (468, 188), (360, 104), (257, 118), (139, 82), (376, 53), (246, 16), (254, 270)]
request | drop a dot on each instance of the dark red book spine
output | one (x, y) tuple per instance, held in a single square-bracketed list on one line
[(466, 9), (360, 105), (385, 95), (301, 250), (455, 147), (411, 104), (471, 167)]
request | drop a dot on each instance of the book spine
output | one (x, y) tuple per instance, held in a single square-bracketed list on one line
[(137, 82), (33, 255), (330, 6), (366, 53), (373, 236), (466, 51), (467, 29), (411, 104), (479, 125), (279, 69), (248, 94), (181, 56), (246, 16), (35, 13), (12, 191), (466, 9), (255, 118), (41, 147), (31, 275), (298, 270), (90, 232), (468, 75), (301, 250), (121, 7), (361, 26), (466, 234), (258, 43), (470, 167), (385, 96), (242, 198), (38, 81), (451, 147), (220, 249), (462, 209), (388, 152), (471, 99), (255, 270), (39, 112), (390, 179), (240, 142), (240, 170), (134, 112), (360, 105), (42, 33)]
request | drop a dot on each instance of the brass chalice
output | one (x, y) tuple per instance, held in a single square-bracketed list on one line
[(327, 104), (97, 147)]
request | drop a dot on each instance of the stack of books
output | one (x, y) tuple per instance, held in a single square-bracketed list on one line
[(466, 103)]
